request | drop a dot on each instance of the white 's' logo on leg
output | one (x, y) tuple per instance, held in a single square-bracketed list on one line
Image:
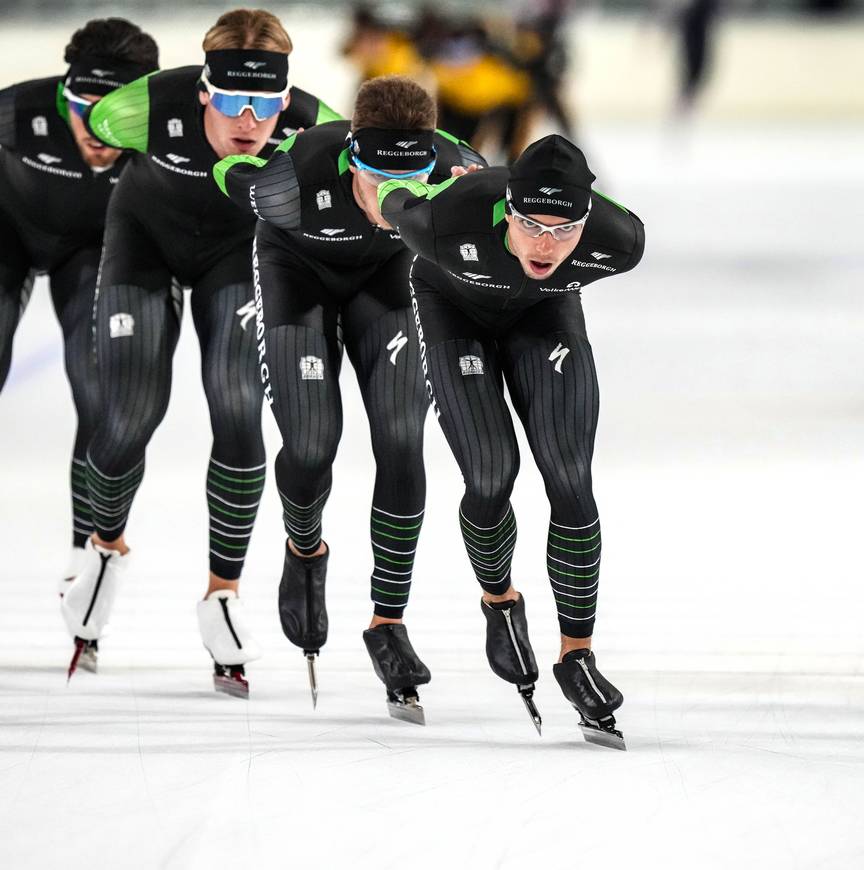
[(246, 313), (396, 344), (558, 354)]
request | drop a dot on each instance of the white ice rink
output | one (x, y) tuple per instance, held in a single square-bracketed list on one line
[(729, 475)]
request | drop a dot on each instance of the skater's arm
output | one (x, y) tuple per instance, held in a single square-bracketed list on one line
[(630, 233), (638, 244), (410, 207), (268, 189), (7, 117), (121, 119)]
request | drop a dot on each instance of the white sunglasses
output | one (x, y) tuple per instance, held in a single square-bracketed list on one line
[(533, 229)]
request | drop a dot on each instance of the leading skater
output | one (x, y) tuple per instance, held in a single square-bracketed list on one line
[(503, 255), (55, 182), (326, 260), (168, 227)]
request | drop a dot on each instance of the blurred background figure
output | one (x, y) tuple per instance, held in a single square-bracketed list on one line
[(377, 47), (541, 45), (695, 25), (494, 79), (483, 89)]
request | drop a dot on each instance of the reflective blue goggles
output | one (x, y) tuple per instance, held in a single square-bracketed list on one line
[(233, 104), (379, 176), (76, 104)]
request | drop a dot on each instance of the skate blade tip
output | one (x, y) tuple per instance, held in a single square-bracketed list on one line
[(603, 738), (407, 713), (231, 689)]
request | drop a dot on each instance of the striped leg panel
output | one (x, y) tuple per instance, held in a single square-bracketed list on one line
[(490, 550), (573, 562), (233, 496), (111, 498), (303, 522), (394, 545)]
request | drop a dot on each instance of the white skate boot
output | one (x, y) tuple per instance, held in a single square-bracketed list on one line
[(77, 561), (226, 637), (87, 602)]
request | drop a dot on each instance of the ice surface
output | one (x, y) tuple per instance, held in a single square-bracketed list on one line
[(729, 474)]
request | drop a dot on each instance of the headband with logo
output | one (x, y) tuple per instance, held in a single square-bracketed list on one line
[(407, 150), (101, 75), (247, 69), (551, 177)]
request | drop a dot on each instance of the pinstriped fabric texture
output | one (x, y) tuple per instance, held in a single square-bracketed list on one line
[(490, 550), (557, 398), (82, 510), (111, 498), (7, 117), (229, 371), (303, 522), (394, 546), (387, 361), (14, 296), (308, 410), (135, 382), (73, 286), (274, 187), (479, 430), (233, 496)]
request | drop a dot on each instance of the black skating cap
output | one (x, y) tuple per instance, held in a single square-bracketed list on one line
[(551, 176)]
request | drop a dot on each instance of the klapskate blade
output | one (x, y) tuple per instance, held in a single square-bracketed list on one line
[(412, 713), (609, 739), (230, 686), (76, 656), (89, 661), (313, 679), (533, 712)]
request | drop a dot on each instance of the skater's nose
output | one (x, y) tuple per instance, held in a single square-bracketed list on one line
[(246, 123), (545, 244)]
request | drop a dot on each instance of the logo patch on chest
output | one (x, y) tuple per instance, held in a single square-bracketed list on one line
[(468, 252), (324, 199), (40, 125), (175, 128)]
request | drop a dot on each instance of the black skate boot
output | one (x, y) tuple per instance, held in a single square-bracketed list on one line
[(302, 610), (593, 696), (509, 650), (399, 669)]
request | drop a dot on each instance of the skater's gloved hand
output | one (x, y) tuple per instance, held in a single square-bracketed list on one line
[(456, 171)]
